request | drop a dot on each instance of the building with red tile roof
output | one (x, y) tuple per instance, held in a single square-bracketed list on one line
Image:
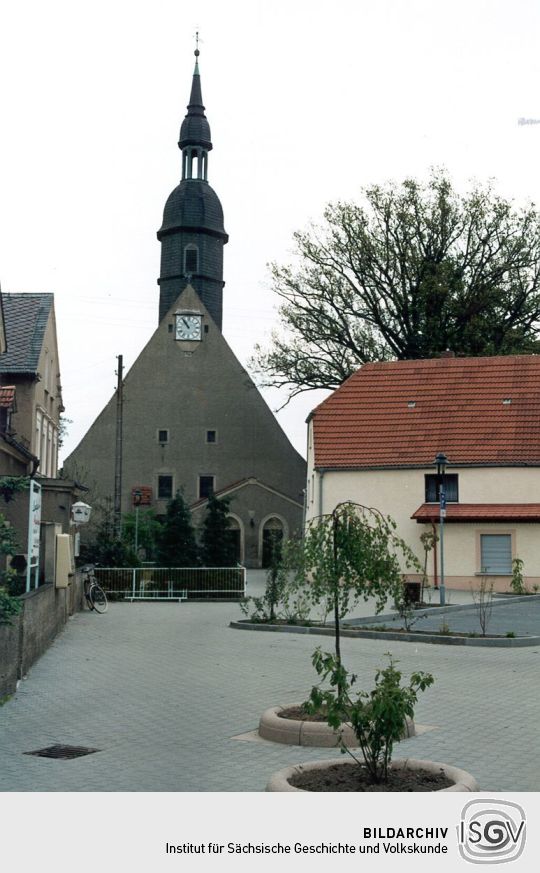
[(375, 439)]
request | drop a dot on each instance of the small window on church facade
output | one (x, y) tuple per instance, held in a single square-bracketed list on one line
[(191, 259), (206, 486), (163, 436), (211, 436), (165, 487)]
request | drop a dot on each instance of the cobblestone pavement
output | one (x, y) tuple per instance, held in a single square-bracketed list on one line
[(163, 690)]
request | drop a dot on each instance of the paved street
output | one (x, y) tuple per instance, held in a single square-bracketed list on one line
[(522, 618), (163, 690)]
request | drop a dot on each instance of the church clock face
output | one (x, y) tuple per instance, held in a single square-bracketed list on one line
[(188, 327)]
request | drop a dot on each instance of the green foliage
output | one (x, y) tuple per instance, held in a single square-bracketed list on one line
[(407, 612), (9, 606), (412, 270), (106, 549), (517, 583), (217, 548), (177, 546), (8, 540), (63, 429), (148, 532), (349, 555), (281, 599), (12, 485), (377, 717)]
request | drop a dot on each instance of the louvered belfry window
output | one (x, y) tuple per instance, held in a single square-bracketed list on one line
[(496, 554)]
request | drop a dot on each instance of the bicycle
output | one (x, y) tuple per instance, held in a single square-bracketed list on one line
[(94, 593)]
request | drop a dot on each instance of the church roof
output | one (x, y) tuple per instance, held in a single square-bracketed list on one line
[(195, 129), (26, 317)]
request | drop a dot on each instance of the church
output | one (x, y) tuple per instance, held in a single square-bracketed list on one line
[(193, 420)]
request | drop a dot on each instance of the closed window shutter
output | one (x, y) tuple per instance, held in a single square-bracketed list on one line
[(496, 551)]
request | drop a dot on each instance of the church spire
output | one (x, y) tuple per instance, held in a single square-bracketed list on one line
[(195, 140)]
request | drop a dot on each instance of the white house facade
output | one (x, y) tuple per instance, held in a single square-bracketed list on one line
[(375, 440)]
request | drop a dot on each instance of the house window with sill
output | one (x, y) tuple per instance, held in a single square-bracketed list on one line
[(433, 489)]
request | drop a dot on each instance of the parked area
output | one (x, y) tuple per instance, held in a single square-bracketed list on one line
[(169, 694)]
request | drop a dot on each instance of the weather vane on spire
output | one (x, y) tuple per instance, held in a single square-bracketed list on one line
[(197, 52)]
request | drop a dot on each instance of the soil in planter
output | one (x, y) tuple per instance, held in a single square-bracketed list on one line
[(298, 713), (355, 778)]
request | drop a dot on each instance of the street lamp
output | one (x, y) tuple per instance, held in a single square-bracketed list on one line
[(441, 462), (137, 498)]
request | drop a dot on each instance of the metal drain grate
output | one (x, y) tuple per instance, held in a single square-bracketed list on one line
[(63, 752)]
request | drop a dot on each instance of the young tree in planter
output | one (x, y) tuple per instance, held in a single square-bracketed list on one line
[(376, 717), (177, 546), (217, 547), (352, 554)]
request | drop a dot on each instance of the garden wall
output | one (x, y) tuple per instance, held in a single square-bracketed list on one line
[(45, 611)]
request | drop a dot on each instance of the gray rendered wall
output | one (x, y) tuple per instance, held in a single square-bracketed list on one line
[(188, 388)]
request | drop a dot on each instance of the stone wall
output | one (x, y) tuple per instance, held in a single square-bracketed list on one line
[(45, 612)]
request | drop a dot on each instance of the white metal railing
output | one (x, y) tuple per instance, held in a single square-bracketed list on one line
[(173, 583)]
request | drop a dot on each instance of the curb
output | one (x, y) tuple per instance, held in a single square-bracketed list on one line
[(434, 639)]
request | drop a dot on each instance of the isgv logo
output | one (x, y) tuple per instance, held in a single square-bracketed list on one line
[(491, 831)]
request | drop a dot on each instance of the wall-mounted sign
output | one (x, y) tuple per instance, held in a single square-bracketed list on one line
[(141, 495), (34, 531)]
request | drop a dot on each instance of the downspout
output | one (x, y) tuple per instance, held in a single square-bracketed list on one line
[(435, 579), (321, 476)]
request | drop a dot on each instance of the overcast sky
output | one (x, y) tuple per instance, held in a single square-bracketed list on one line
[(307, 102)]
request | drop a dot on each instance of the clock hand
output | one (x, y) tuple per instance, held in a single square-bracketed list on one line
[(186, 323)]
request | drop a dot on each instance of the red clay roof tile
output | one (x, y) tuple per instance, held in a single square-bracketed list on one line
[(429, 512), (402, 413), (7, 395)]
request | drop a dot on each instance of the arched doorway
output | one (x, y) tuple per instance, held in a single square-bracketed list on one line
[(272, 539)]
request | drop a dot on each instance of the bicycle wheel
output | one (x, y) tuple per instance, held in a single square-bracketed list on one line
[(98, 598)]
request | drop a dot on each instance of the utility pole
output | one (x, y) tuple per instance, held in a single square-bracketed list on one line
[(118, 449)]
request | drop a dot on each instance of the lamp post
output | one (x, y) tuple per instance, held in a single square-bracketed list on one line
[(137, 497), (441, 461)]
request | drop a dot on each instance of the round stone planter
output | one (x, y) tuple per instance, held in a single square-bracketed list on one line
[(295, 732), (462, 780)]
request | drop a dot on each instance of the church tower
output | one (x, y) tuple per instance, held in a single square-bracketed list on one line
[(192, 235)]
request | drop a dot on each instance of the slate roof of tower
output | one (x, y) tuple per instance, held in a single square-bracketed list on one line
[(402, 413), (26, 317), (193, 204), (195, 129)]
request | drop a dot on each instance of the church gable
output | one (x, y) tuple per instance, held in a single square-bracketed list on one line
[(192, 418)]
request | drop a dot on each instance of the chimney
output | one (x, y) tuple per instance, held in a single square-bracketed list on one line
[(447, 354)]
